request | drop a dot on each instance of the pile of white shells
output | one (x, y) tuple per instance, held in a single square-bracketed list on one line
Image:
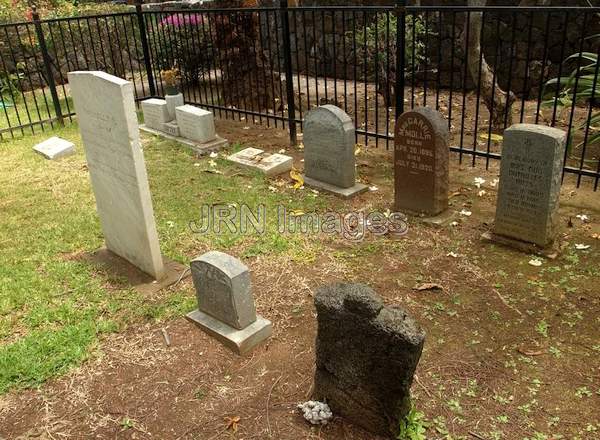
[(317, 413)]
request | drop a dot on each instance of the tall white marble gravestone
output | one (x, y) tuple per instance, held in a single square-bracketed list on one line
[(107, 120), (329, 161), (529, 188), (225, 303)]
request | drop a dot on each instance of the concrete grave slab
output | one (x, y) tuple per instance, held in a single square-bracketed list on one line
[(200, 149), (55, 148), (270, 164)]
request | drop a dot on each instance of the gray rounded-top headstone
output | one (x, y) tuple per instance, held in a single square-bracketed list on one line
[(223, 288), (329, 146)]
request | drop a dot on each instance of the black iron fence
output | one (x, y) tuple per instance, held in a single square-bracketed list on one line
[(484, 68)]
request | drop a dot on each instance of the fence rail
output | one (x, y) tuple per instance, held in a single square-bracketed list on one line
[(482, 67)]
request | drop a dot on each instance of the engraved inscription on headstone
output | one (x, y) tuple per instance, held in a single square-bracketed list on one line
[(329, 146), (195, 123), (529, 188), (223, 288), (421, 162), (225, 303), (106, 113), (155, 113), (329, 162)]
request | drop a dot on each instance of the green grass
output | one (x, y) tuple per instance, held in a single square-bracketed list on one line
[(54, 306), (35, 107)]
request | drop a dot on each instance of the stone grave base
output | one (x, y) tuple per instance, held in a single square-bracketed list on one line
[(119, 267), (440, 220), (256, 159), (551, 251), (199, 149), (239, 341), (345, 193)]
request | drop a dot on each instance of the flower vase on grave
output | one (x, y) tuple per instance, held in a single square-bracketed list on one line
[(174, 99)]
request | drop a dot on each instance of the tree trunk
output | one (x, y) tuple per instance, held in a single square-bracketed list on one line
[(247, 70), (497, 101)]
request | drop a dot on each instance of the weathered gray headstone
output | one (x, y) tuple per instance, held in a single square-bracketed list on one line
[(329, 161), (55, 148), (155, 112), (225, 303), (195, 123), (270, 164), (107, 120), (366, 356), (529, 188), (421, 162)]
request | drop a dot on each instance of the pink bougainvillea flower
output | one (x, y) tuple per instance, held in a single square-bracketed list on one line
[(181, 19)]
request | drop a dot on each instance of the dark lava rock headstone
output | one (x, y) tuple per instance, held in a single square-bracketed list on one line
[(529, 188), (421, 157), (366, 356)]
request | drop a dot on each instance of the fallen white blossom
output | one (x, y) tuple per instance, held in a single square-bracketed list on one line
[(584, 218), (465, 213), (373, 188), (452, 254), (582, 247), (214, 154), (317, 413), (479, 181), (535, 262)]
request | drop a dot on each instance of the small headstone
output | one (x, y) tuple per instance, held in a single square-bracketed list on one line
[(195, 123), (530, 178), (105, 109), (270, 164), (421, 157), (225, 303), (171, 128), (366, 356), (173, 101), (155, 113), (329, 161), (55, 148)]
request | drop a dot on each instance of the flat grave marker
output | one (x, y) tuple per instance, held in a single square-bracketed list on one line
[(270, 164), (55, 148)]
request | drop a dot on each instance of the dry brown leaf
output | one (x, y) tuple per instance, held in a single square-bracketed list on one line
[(232, 422), (526, 352), (428, 286)]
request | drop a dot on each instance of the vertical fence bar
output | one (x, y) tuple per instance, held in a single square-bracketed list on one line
[(400, 54), (145, 49), (289, 78), (47, 66)]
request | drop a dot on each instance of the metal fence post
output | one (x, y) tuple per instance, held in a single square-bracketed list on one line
[(47, 65), (289, 78), (145, 48), (400, 55)]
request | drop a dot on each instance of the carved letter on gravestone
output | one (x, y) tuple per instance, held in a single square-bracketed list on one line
[(329, 162), (530, 178), (421, 162), (108, 124), (225, 303), (366, 356)]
